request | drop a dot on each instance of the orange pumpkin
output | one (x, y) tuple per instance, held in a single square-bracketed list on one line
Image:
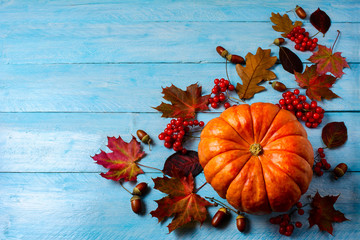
[(258, 157)]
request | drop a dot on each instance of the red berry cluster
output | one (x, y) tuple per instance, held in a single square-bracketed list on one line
[(321, 164), (311, 114), (302, 40), (175, 131), (284, 221), (218, 90)]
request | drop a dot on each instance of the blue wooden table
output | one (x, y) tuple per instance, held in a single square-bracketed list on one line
[(74, 72)]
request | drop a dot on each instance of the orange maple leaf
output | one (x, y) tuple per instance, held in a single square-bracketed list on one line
[(182, 202), (317, 86), (122, 160), (326, 61), (183, 103)]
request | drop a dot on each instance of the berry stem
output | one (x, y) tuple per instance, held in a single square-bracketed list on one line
[(124, 187), (315, 34), (335, 40), (222, 204), (139, 164), (200, 187)]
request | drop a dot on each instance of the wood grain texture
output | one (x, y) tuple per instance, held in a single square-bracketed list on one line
[(74, 72), (176, 42), (64, 142), (170, 11), (134, 87), (86, 206)]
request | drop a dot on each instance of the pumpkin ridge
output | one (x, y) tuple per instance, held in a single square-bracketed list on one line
[(235, 129), (278, 168), (269, 125), (278, 150), (285, 125), (229, 141), (225, 164), (309, 160), (227, 187), (262, 171)]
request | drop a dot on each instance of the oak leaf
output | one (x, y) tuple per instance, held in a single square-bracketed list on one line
[(324, 214), (255, 72), (326, 61), (283, 23), (121, 162), (183, 103), (317, 86), (182, 202)]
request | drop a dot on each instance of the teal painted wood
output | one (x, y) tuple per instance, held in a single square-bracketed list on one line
[(75, 72), (64, 142), (150, 11), (134, 87), (86, 206), (176, 42)]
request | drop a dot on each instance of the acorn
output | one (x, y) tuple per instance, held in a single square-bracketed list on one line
[(241, 223), (144, 137), (219, 217), (340, 170), (140, 189), (300, 12), (279, 41), (278, 86), (236, 59), (136, 204)]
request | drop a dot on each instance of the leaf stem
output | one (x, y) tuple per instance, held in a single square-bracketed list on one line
[(125, 188), (142, 165), (200, 187), (222, 204), (335, 40), (315, 34)]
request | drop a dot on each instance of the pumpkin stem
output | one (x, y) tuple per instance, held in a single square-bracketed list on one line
[(255, 149)]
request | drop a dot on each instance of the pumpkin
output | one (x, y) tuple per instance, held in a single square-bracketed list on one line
[(258, 157)]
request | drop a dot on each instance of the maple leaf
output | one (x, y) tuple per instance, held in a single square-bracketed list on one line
[(317, 86), (183, 103), (182, 202), (255, 72), (121, 162), (283, 23), (326, 61), (324, 214)]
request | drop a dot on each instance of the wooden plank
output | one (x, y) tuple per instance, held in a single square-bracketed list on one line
[(86, 206), (64, 142), (140, 11), (133, 87), (175, 42)]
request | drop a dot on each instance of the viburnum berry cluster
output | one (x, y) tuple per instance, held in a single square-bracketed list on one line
[(321, 163), (311, 113), (284, 221), (302, 40), (174, 133), (218, 91)]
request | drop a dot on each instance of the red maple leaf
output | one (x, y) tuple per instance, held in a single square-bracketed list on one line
[(121, 162), (324, 214), (317, 86), (183, 103), (326, 61), (182, 202)]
